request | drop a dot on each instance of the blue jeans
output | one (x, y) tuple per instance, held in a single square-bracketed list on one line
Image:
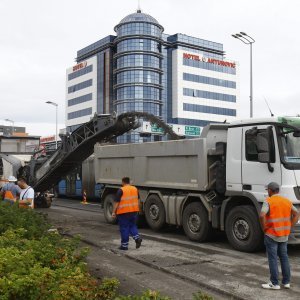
[(279, 249), (127, 224)]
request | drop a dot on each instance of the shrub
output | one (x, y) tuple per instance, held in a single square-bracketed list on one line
[(11, 217), (48, 268)]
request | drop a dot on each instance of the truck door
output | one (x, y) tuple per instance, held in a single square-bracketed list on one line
[(256, 175)]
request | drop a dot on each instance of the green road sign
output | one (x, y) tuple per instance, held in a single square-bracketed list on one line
[(156, 129), (192, 130)]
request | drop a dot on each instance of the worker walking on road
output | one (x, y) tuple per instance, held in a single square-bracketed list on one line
[(126, 208), (10, 191), (277, 217)]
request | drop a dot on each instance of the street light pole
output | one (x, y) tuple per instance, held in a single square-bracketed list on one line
[(248, 40), (251, 83), (13, 125), (56, 113)]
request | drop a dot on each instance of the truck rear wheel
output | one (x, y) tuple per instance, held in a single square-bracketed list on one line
[(195, 222), (108, 209), (155, 212), (243, 229)]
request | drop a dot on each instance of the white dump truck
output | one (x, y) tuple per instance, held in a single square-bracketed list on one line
[(215, 182)]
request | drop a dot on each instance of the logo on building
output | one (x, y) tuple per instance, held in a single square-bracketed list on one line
[(80, 66), (209, 60)]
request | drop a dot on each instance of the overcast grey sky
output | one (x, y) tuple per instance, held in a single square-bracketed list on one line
[(39, 40)]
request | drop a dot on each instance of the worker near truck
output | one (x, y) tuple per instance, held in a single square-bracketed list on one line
[(10, 191), (126, 209), (26, 195), (277, 217)]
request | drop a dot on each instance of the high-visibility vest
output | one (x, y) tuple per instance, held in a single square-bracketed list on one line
[(129, 200), (279, 217), (8, 195)]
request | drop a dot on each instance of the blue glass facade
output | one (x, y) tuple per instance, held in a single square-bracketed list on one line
[(138, 79), (135, 70)]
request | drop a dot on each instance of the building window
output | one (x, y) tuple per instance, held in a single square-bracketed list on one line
[(208, 66), (80, 86), (80, 113), (209, 80), (209, 95), (139, 28), (138, 92), (80, 99), (138, 60), (138, 45), (209, 109), (81, 72), (139, 76)]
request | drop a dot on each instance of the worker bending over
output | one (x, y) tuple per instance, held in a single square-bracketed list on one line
[(126, 208), (10, 191)]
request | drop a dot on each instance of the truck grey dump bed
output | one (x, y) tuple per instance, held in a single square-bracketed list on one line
[(180, 164)]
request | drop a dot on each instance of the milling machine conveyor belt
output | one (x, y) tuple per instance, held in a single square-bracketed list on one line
[(79, 145)]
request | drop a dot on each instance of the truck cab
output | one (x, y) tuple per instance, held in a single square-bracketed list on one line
[(258, 152)]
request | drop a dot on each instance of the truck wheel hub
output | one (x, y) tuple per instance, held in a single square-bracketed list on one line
[(154, 212), (241, 229), (194, 222)]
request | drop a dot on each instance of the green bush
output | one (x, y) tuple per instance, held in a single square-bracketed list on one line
[(48, 268), (12, 217)]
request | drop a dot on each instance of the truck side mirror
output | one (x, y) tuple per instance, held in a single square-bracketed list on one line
[(264, 142)]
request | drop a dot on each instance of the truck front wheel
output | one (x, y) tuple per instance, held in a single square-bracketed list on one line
[(195, 222), (108, 208), (155, 212), (243, 229)]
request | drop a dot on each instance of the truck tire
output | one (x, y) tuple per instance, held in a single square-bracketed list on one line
[(155, 213), (195, 222), (108, 207), (243, 229)]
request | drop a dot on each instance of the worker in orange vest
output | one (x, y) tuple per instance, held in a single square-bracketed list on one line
[(126, 209), (10, 191), (277, 217)]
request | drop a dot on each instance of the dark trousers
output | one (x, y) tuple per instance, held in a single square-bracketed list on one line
[(274, 250), (127, 224)]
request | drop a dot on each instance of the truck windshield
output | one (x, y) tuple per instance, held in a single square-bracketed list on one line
[(290, 145)]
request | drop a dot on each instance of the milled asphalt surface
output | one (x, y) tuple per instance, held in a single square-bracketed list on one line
[(168, 262)]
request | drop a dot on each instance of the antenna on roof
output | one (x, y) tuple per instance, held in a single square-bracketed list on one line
[(272, 115), (139, 7)]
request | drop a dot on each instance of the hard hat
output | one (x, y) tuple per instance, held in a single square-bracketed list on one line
[(273, 186), (12, 179)]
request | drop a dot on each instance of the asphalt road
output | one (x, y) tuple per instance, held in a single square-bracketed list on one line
[(168, 262)]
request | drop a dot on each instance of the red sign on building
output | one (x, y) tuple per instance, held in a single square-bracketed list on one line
[(80, 66), (209, 60)]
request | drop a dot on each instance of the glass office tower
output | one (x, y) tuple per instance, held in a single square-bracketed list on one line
[(184, 80)]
